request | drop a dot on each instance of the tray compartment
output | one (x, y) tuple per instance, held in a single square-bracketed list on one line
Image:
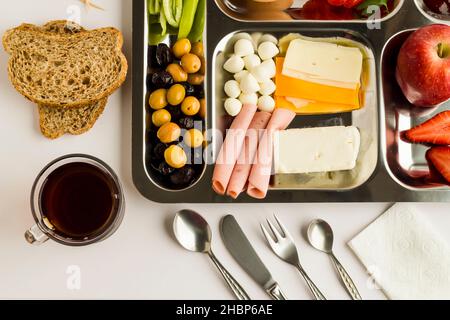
[(150, 143), (430, 15), (238, 10), (366, 119), (405, 162)]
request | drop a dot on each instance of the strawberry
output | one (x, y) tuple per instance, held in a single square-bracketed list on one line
[(322, 10), (434, 131), (345, 3), (439, 161)]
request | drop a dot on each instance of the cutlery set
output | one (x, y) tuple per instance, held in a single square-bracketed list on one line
[(194, 234)]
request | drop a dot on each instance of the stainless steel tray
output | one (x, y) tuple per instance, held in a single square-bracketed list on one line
[(384, 185)]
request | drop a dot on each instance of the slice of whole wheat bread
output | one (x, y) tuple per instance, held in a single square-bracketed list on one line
[(56, 121), (57, 70)]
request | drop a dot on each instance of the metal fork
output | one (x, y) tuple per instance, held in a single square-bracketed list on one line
[(284, 247)]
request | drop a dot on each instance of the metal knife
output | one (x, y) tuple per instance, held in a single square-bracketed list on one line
[(240, 248)]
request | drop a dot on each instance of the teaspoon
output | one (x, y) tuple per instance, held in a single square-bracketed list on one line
[(194, 234), (320, 236)]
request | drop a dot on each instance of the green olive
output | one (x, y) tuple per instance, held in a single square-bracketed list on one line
[(169, 132), (161, 117), (175, 157), (158, 99), (177, 72), (196, 79), (190, 106), (197, 49), (203, 67), (176, 94), (193, 138), (202, 112), (181, 47), (191, 63)]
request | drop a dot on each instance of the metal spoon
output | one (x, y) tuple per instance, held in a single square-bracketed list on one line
[(194, 234), (320, 236)]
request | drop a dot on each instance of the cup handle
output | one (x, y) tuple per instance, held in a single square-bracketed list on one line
[(35, 235)]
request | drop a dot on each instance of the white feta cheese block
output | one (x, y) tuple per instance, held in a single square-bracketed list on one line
[(314, 150)]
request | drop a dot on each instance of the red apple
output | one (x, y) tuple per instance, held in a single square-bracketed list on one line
[(423, 66)]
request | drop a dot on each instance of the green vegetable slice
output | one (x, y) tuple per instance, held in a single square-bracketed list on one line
[(178, 10), (163, 23), (187, 18), (198, 28), (167, 9), (155, 37), (151, 6)]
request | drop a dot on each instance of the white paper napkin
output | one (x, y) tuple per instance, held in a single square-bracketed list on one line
[(411, 260)]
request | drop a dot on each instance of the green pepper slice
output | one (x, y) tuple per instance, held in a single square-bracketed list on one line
[(187, 18), (198, 28)]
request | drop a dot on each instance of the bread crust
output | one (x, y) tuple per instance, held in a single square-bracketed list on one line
[(51, 133)]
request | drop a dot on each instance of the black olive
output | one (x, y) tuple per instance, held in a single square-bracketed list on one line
[(164, 55), (149, 82), (183, 176), (175, 111), (165, 169), (199, 92), (152, 56), (186, 123), (158, 151), (161, 79), (190, 90)]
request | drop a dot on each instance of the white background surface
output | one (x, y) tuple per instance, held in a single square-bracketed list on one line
[(142, 261)]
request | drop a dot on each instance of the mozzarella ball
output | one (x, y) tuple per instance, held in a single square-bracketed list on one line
[(234, 64), (243, 47), (233, 106), (267, 88), (271, 67), (249, 84), (238, 76), (251, 98), (267, 50), (266, 103), (230, 44), (256, 36), (232, 89), (251, 61), (267, 38), (241, 35), (261, 73)]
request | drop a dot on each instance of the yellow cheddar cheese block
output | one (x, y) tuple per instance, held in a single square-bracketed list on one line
[(308, 107), (315, 98)]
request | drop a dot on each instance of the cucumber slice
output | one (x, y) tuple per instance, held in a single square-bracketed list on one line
[(167, 9)]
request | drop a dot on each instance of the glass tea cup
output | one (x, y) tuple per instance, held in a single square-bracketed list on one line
[(76, 200)]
